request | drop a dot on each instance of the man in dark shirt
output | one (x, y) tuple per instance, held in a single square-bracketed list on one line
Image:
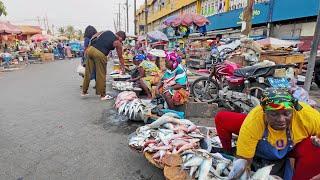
[(101, 45)]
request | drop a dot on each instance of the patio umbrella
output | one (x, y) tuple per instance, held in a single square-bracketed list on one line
[(157, 36), (187, 20), (169, 20), (8, 28), (200, 20), (40, 37), (157, 52), (141, 38)]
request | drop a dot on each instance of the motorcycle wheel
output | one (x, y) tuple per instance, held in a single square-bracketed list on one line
[(256, 89), (205, 89)]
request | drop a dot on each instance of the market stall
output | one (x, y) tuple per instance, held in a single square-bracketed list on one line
[(184, 150)]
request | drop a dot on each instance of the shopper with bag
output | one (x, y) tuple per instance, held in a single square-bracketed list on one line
[(100, 46), (88, 33)]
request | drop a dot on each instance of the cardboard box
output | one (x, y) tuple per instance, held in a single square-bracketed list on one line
[(285, 59), (47, 57), (238, 59)]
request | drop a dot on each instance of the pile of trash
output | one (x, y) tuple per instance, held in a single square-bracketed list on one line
[(184, 150), (128, 104)]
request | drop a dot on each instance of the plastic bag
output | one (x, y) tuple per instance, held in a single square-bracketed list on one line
[(80, 69)]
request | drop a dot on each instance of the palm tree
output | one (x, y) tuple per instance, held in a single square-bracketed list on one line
[(70, 32), (61, 31), (3, 10)]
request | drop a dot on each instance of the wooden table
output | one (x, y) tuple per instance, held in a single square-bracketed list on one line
[(285, 59)]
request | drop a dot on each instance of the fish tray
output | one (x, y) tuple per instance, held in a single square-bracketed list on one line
[(121, 79), (150, 159)]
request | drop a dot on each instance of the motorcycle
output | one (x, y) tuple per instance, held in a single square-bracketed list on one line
[(251, 80)]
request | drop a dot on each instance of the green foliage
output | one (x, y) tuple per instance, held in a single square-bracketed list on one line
[(3, 10)]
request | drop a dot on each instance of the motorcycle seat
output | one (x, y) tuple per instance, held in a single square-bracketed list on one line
[(254, 71)]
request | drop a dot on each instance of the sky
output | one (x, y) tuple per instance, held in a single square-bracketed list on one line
[(78, 13)]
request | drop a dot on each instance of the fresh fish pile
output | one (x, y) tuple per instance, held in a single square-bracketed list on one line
[(122, 85), (124, 97), (167, 135), (203, 165), (134, 109)]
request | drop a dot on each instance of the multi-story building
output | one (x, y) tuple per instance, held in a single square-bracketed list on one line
[(159, 10), (287, 19)]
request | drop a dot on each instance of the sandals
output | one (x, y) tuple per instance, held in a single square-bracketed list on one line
[(106, 97), (84, 94)]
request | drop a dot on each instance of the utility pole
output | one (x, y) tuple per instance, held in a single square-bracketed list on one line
[(135, 18), (52, 29), (119, 17), (146, 15), (247, 17), (127, 6), (313, 55), (115, 25), (39, 23), (45, 24)]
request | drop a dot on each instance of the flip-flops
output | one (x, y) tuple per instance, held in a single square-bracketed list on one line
[(84, 94), (106, 97)]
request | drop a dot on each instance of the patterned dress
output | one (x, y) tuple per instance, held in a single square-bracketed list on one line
[(177, 76), (152, 73)]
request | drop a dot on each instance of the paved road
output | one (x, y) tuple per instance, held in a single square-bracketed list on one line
[(48, 132)]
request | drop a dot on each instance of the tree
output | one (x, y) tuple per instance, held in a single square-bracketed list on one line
[(61, 31), (3, 10), (79, 34), (70, 31)]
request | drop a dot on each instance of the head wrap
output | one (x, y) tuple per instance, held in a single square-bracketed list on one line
[(279, 99), (174, 57), (139, 57)]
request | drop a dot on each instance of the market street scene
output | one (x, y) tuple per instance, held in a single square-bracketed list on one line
[(160, 89)]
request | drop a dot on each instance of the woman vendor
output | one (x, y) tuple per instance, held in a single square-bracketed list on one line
[(280, 129), (174, 82), (149, 73)]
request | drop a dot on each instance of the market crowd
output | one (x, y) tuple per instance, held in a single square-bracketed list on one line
[(21, 51), (282, 130)]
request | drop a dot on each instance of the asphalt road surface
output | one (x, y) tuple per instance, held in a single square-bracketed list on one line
[(47, 131)]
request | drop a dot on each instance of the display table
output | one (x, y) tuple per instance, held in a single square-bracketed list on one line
[(285, 59)]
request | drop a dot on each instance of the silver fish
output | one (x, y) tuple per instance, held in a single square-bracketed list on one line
[(121, 108), (168, 126), (245, 175), (194, 161), (126, 110), (216, 175), (165, 131), (204, 169), (221, 167), (163, 138), (163, 120), (189, 156), (263, 173), (238, 167), (193, 169)]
